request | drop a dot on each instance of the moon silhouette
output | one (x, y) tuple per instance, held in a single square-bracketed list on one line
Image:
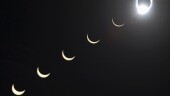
[(116, 24), (42, 75), (67, 58), (92, 42), (143, 9), (17, 92)]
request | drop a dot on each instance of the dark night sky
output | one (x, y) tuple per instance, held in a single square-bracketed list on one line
[(133, 60)]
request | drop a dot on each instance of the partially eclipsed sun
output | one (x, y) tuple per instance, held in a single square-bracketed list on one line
[(143, 8)]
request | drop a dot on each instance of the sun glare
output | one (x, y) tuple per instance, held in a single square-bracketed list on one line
[(143, 8)]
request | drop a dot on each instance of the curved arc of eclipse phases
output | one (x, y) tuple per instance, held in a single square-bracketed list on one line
[(42, 75), (17, 92), (92, 42), (67, 58)]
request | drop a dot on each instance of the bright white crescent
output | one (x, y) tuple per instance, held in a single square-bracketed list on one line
[(17, 92), (92, 42), (142, 8), (42, 75), (67, 58), (116, 24)]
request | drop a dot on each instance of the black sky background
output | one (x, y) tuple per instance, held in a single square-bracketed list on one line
[(129, 61)]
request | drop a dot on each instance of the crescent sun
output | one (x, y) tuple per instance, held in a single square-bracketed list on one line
[(92, 42), (17, 92), (116, 24), (67, 58), (42, 75), (139, 7)]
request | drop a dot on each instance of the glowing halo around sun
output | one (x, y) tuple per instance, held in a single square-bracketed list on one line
[(142, 8)]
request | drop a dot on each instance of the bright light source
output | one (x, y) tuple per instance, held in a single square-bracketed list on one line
[(143, 8)]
